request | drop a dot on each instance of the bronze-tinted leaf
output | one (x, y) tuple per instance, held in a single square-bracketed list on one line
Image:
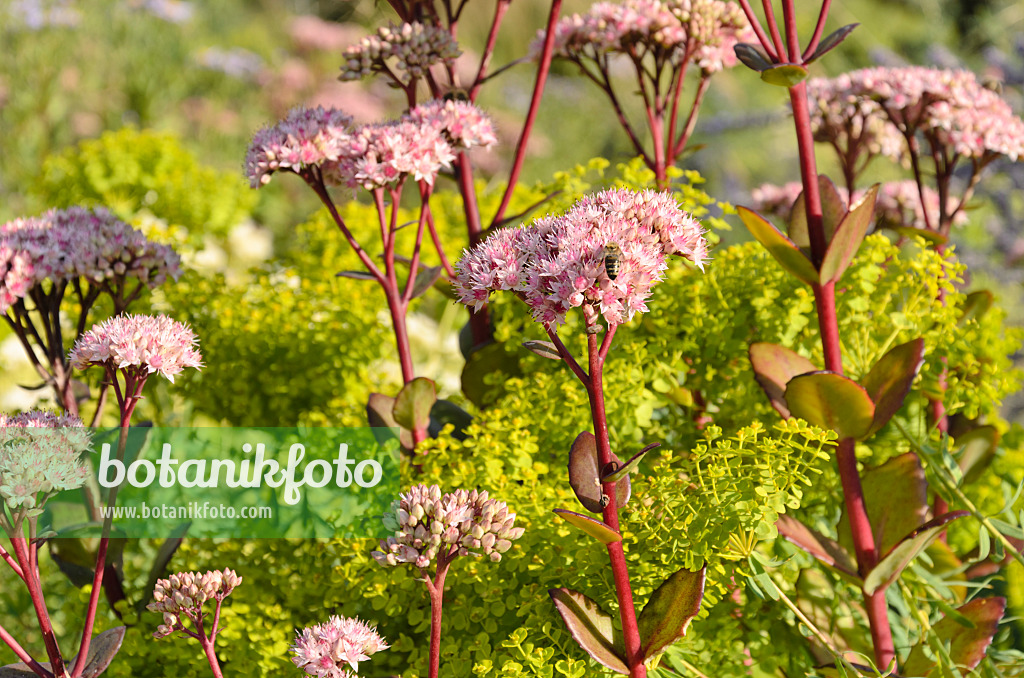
[(426, 277), (102, 649), (629, 466), (585, 474), (967, 645), (482, 362), (545, 349), (896, 496), (752, 56), (848, 236), (355, 275), (818, 545), (894, 562), (833, 209), (831, 401), (669, 610), (831, 41), (889, 380), (379, 413), (591, 627), (413, 404), (779, 246), (774, 366), (594, 528)]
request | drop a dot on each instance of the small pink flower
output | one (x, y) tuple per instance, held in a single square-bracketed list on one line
[(391, 152), (182, 596), (559, 263), (140, 343), (462, 123), (40, 455), (326, 650)]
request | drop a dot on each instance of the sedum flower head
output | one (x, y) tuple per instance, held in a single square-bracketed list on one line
[(79, 243), (326, 650), (559, 263), (406, 52), (392, 151), (182, 596), (847, 121), (428, 525), (462, 123), (40, 454), (140, 343), (307, 137)]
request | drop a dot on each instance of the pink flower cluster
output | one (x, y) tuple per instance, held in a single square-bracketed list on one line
[(78, 243), (404, 52), (419, 144), (950, 107), (702, 31), (898, 203), (324, 650), (559, 263), (141, 344), (183, 595), (428, 524), (851, 122), (40, 455)]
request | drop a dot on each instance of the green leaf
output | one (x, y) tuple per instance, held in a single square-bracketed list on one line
[(413, 404), (976, 305), (545, 349), (629, 466), (594, 528), (894, 562), (584, 474), (779, 246), (831, 41), (832, 401), (669, 610), (848, 236), (379, 414), (784, 75), (591, 627), (752, 56), (818, 545), (896, 495), (967, 644), (833, 209), (889, 380), (774, 367), (977, 450)]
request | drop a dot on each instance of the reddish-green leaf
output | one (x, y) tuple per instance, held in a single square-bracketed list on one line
[(380, 413), (848, 236), (595, 528), (784, 75), (967, 644), (412, 406), (889, 380), (774, 366), (355, 275), (818, 545), (833, 209), (102, 649), (894, 562), (629, 466), (669, 610), (752, 56), (831, 401), (896, 496), (545, 349), (584, 474), (779, 246), (425, 279), (591, 627), (481, 363), (831, 41)]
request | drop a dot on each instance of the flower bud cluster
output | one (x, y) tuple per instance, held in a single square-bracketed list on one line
[(325, 650), (78, 243), (40, 454), (560, 263), (144, 343), (183, 595), (405, 52), (429, 526), (419, 145)]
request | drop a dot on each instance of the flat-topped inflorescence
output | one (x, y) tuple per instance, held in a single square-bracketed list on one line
[(328, 650)]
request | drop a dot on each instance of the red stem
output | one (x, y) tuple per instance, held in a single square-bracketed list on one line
[(538, 90), (819, 30), (620, 573), (436, 590), (6, 557), (492, 39), (762, 37), (24, 656), (35, 590), (211, 653), (691, 120)]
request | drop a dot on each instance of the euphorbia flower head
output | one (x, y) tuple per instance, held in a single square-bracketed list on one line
[(558, 263), (141, 344), (406, 51), (40, 454), (326, 650), (429, 525), (183, 595)]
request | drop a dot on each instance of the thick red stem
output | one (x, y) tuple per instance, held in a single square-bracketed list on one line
[(35, 589), (436, 589), (620, 573)]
